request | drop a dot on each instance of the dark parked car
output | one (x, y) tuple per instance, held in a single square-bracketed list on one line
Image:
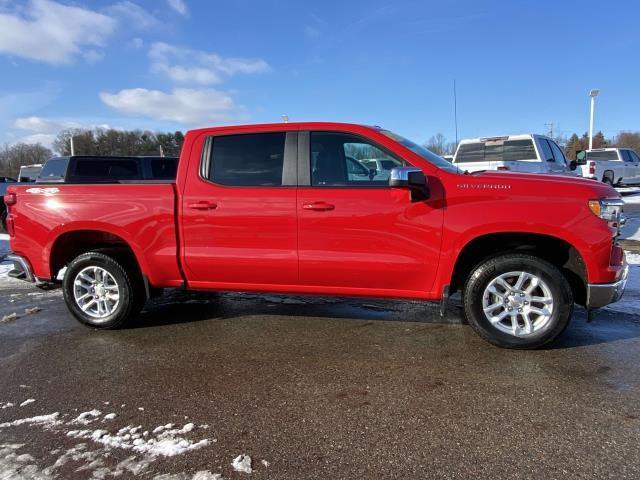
[(103, 169)]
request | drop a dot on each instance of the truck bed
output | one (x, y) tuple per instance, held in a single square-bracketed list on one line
[(141, 214)]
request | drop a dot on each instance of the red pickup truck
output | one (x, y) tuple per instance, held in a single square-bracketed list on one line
[(297, 208)]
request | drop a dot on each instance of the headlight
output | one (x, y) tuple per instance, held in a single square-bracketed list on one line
[(608, 209)]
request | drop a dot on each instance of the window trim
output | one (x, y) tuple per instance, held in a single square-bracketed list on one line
[(304, 159), (289, 160)]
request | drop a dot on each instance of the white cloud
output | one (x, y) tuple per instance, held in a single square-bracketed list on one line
[(184, 65), (44, 130), (52, 32), (182, 105), (133, 15), (179, 6)]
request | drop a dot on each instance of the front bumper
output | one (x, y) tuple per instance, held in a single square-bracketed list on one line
[(21, 268), (601, 294)]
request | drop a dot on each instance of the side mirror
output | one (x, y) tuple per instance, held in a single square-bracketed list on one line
[(573, 164), (372, 173), (581, 157), (412, 179)]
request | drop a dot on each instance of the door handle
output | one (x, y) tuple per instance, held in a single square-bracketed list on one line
[(318, 206), (203, 205)]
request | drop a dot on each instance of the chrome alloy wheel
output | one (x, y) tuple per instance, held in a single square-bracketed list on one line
[(518, 303), (96, 292)]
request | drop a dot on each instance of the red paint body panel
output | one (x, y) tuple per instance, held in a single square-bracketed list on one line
[(373, 242)]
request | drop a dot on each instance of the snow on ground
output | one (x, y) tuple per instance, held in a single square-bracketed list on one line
[(242, 463), (629, 199), (630, 301), (91, 456), (4, 250)]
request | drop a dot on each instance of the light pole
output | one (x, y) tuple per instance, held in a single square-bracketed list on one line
[(593, 94)]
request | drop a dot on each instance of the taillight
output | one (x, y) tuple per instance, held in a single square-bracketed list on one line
[(10, 199), (592, 168)]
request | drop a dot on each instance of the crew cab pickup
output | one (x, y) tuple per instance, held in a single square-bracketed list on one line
[(527, 152), (616, 166), (273, 208)]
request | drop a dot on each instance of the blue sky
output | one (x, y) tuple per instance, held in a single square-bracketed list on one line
[(176, 64)]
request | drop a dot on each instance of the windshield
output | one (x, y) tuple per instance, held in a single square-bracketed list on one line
[(428, 155)]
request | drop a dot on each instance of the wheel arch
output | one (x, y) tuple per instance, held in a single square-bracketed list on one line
[(552, 249), (72, 243)]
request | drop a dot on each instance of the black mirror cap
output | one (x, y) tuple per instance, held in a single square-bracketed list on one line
[(573, 164)]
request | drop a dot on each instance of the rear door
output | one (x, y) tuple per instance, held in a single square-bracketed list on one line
[(239, 213), (356, 235), (560, 163)]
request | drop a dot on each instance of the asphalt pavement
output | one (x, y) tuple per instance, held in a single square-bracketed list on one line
[(315, 388), (309, 388)]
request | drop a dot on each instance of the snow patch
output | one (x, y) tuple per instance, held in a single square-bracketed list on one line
[(630, 301), (27, 402), (110, 416), (242, 463), (85, 418), (50, 420), (6, 405), (168, 443)]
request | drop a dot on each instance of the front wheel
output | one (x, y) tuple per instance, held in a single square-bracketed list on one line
[(518, 301), (100, 292)]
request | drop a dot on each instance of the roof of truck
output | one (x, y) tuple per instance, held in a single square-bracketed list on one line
[(517, 136), (288, 125)]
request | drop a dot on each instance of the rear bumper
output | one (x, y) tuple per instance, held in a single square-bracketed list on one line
[(601, 294), (21, 268)]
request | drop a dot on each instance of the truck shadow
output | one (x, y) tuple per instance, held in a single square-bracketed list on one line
[(182, 307)]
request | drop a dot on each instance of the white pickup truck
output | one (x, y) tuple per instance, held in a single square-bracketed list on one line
[(520, 153), (615, 166)]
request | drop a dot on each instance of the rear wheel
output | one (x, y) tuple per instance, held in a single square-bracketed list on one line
[(518, 301), (100, 292)]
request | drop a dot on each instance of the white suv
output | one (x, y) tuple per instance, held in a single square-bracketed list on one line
[(615, 166), (520, 153)]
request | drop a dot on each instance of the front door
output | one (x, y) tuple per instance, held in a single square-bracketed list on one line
[(239, 217), (356, 235)]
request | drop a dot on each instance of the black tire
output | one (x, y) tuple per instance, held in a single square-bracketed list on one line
[(130, 288), (486, 272)]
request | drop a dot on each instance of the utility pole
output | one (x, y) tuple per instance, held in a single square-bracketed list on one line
[(455, 109), (550, 125), (593, 94)]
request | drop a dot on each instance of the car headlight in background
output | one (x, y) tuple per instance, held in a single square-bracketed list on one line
[(608, 209)]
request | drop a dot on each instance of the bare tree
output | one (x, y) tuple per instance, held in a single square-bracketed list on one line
[(12, 157)]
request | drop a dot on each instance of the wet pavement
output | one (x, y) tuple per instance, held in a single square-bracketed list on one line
[(315, 387), (310, 387)]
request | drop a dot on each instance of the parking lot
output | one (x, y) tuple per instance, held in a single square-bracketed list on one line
[(311, 387)]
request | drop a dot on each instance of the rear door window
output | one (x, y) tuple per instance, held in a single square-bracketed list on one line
[(626, 156), (251, 160), (634, 156)]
